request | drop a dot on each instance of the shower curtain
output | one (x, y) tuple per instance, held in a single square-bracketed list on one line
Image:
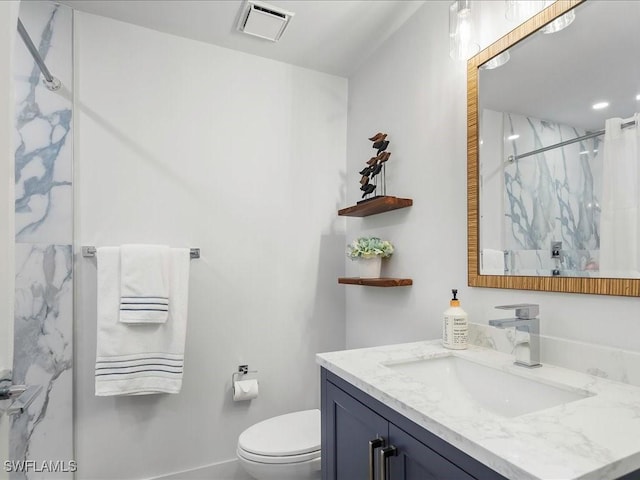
[(620, 206)]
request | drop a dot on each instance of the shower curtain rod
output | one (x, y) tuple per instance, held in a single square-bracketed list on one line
[(513, 158), (51, 82)]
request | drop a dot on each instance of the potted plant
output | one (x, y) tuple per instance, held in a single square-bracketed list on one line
[(370, 251)]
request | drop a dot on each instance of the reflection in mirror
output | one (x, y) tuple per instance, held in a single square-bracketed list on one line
[(553, 183), (559, 149)]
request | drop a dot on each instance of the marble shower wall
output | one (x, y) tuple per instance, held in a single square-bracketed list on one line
[(551, 196), (43, 321)]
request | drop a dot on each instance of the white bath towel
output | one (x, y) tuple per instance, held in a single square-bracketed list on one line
[(492, 262), (144, 283), (145, 358)]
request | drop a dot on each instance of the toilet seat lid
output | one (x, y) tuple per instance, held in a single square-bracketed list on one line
[(291, 434)]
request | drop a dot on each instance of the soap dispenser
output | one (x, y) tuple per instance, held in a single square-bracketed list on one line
[(455, 326)]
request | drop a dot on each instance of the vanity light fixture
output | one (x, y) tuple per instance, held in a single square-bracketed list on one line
[(513, 137), (461, 35), (600, 105), (561, 23), (497, 61), (521, 10)]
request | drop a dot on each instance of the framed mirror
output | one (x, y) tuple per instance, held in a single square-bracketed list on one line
[(553, 178)]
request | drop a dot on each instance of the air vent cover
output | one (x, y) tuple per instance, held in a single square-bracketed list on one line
[(263, 20)]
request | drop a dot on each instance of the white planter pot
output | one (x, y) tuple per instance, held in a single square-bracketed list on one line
[(370, 267)]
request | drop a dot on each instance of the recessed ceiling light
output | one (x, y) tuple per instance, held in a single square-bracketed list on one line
[(600, 105), (638, 97), (513, 137)]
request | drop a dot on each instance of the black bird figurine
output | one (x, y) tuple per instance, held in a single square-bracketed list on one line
[(375, 164), (381, 145), (367, 189), (376, 170)]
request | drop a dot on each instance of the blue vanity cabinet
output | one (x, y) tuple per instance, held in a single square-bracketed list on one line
[(351, 419), (416, 461), (352, 426)]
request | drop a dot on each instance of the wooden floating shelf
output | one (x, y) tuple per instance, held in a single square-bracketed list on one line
[(376, 205), (376, 282)]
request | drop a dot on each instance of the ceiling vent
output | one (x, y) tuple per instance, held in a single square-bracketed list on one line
[(263, 20)]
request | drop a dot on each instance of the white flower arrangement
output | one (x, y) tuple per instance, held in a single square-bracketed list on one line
[(369, 247)]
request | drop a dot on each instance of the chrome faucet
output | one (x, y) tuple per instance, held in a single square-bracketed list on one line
[(526, 321)]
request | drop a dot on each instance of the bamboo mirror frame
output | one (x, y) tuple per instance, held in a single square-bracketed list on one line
[(602, 286)]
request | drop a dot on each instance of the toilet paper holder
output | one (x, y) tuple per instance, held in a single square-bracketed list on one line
[(242, 370)]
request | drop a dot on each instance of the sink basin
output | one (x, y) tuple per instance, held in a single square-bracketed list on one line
[(461, 383)]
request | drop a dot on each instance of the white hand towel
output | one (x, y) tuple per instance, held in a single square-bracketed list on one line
[(492, 262), (140, 359), (144, 283)]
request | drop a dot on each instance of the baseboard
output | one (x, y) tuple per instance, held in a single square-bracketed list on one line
[(227, 470)]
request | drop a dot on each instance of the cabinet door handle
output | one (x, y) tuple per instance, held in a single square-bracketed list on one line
[(373, 444), (383, 457)]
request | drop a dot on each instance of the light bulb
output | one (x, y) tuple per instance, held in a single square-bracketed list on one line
[(461, 35), (497, 61), (521, 10), (560, 23)]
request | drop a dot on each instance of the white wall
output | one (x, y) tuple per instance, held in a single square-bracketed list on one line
[(8, 18), (411, 89), (188, 144)]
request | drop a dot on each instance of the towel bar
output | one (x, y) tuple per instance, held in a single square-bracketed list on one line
[(90, 251)]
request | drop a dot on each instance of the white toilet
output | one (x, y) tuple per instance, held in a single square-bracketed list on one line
[(282, 448)]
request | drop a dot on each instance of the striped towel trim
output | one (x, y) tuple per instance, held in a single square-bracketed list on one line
[(144, 304), (144, 309), (140, 365)]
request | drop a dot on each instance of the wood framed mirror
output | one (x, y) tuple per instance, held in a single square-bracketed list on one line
[(580, 280)]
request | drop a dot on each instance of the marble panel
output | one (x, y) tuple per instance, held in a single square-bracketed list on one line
[(43, 158), (43, 323), (43, 353), (551, 196)]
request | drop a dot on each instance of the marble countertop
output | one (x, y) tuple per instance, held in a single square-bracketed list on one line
[(597, 437)]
